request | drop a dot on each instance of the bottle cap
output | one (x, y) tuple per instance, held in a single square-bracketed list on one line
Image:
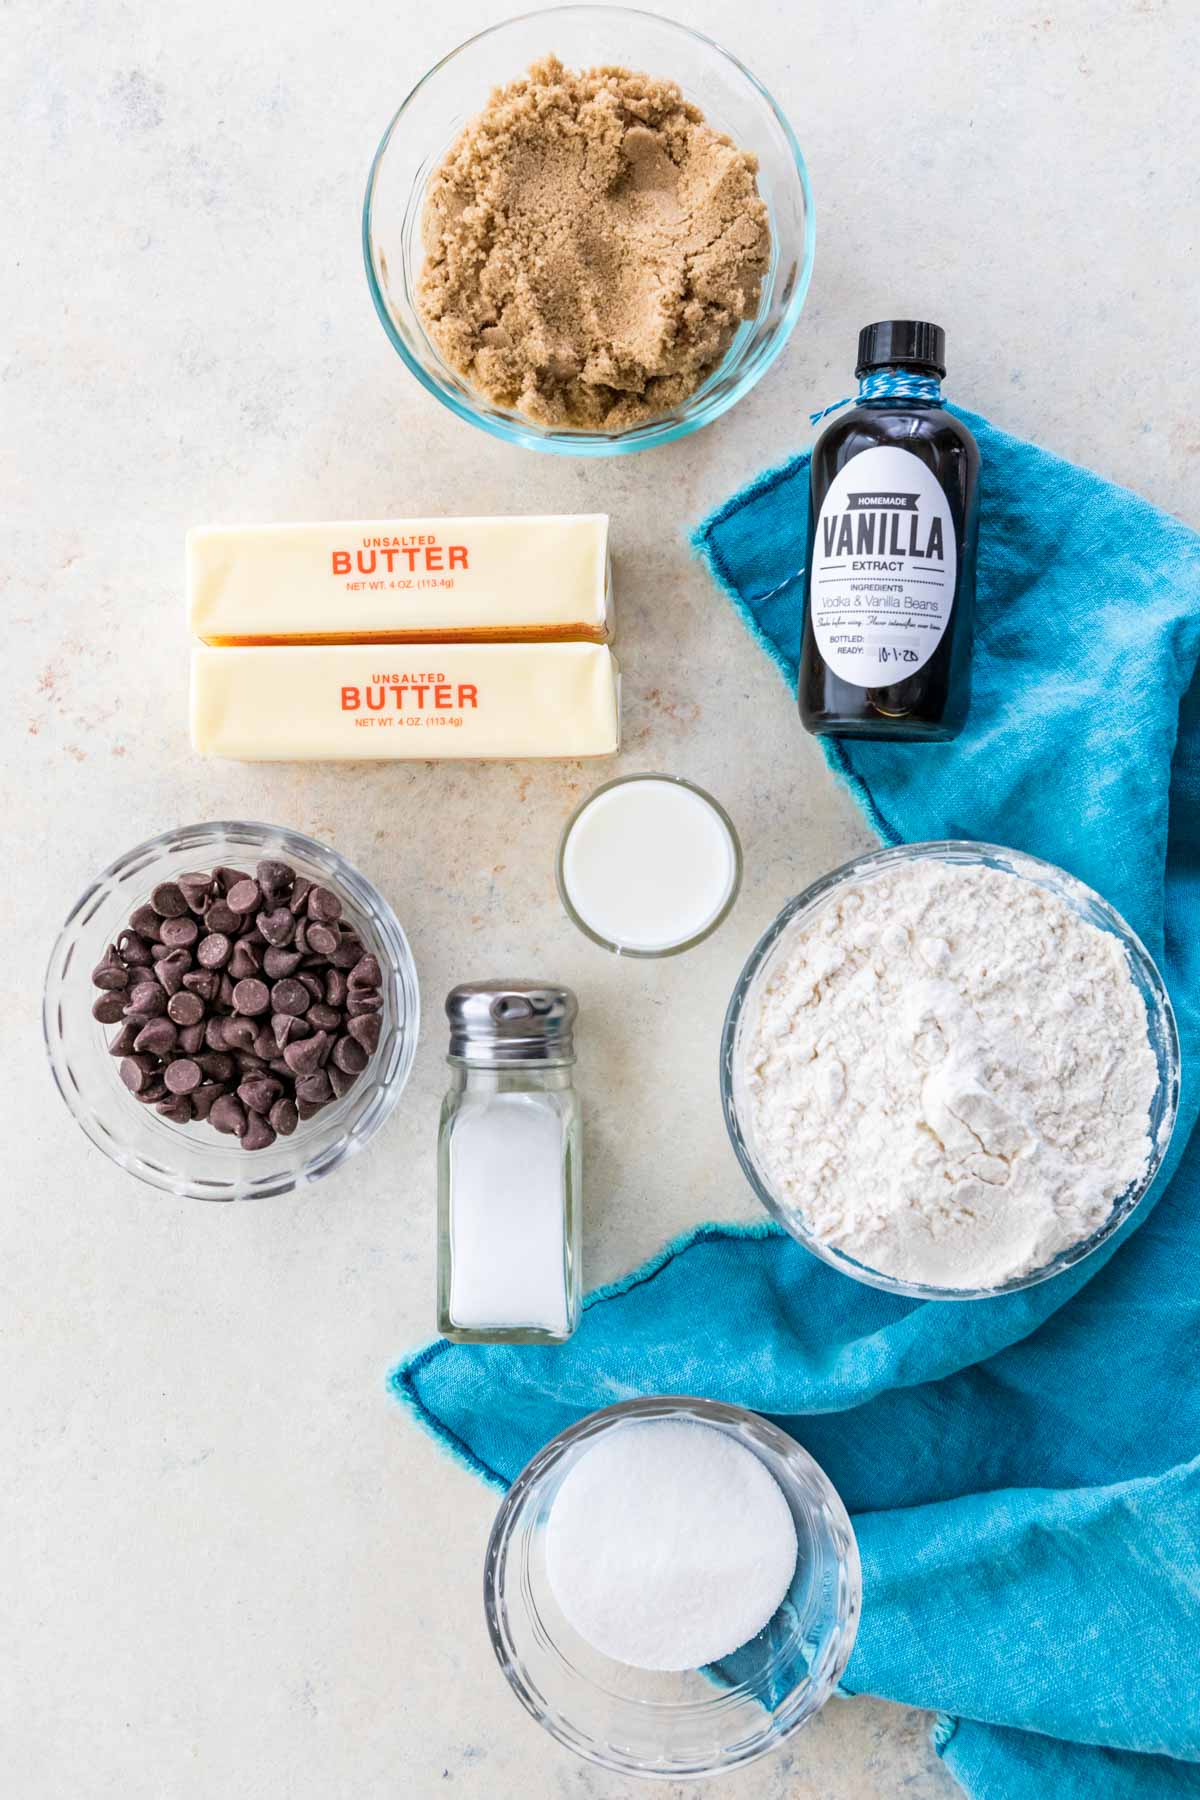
[(911, 343), (494, 1024)]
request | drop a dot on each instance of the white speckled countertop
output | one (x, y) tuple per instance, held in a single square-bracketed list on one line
[(234, 1569)]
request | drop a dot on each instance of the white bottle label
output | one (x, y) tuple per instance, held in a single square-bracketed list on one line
[(884, 565)]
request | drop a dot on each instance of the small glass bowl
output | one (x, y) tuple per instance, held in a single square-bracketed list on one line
[(456, 88), (194, 1160), (701, 1721), (775, 942), (697, 937)]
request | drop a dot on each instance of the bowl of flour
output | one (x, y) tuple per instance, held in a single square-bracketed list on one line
[(950, 1070)]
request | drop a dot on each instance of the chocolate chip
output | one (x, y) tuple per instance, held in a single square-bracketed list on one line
[(155, 1089), (134, 950), (366, 973), (225, 985), (220, 917), (146, 922), (308, 1109), (239, 1034), (109, 1006), (170, 970), (228, 1115), (196, 889), (340, 1081), (289, 996), (205, 1098), (304, 1056), (217, 1065), (283, 1117), (322, 1017), (258, 1134), (214, 1033), (275, 878), (365, 1029), (264, 1044), (300, 894), (260, 1092), (277, 927), (363, 1000), (251, 997), (336, 987), (122, 1044), (182, 1076), (191, 1039), (203, 982), (244, 961), (148, 999), (278, 962), (179, 933), (177, 1108), (314, 1088), (347, 953), (227, 878), (156, 1038), (350, 1056), (110, 974), (137, 1072), (213, 951), (168, 900), (323, 904), (185, 1008), (158, 951), (244, 897), (283, 1029)]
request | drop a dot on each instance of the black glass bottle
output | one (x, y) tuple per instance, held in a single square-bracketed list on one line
[(893, 520)]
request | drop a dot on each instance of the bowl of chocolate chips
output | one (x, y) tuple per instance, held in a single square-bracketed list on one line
[(231, 1010)]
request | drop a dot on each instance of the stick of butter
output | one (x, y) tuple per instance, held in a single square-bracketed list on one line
[(344, 701), (401, 581)]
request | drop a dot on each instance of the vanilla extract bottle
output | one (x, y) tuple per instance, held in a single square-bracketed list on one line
[(893, 521)]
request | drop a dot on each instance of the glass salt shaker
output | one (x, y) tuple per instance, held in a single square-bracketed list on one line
[(509, 1166)]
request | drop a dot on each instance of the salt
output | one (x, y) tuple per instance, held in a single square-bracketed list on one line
[(507, 1211), (669, 1544)]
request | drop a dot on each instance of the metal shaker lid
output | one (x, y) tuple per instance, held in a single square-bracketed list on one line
[(498, 1023)]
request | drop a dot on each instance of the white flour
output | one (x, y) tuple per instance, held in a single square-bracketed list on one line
[(950, 1075)]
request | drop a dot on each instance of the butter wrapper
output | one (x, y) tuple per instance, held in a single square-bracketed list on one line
[(402, 581), (340, 702)]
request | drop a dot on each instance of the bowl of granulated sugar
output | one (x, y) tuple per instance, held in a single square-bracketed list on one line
[(950, 1070), (672, 1587)]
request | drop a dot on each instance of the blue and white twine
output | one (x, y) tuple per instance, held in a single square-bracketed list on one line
[(887, 384)]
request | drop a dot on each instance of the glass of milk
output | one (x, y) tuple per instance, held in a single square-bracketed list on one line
[(649, 865)]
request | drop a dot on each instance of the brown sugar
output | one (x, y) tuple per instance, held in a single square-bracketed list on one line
[(591, 247)]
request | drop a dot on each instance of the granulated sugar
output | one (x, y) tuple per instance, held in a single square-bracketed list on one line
[(950, 1075), (669, 1544)]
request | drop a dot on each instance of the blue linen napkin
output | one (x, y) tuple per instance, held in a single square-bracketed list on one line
[(1023, 1473)]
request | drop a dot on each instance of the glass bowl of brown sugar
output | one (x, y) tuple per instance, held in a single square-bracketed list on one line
[(568, 395)]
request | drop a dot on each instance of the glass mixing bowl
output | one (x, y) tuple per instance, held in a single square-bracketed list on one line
[(798, 913), (454, 91), (195, 1160), (701, 1721)]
